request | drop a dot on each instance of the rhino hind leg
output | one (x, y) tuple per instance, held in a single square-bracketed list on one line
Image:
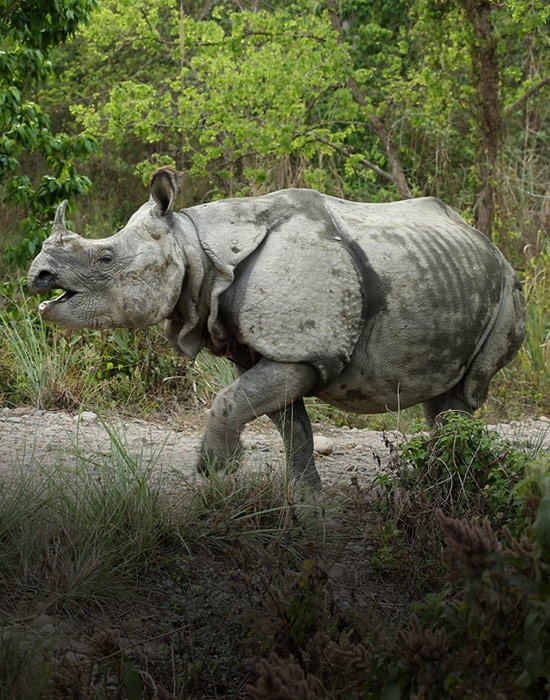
[(272, 388), (294, 426), (452, 400)]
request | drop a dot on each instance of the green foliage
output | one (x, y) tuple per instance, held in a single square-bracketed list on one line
[(489, 633), (23, 670), (304, 606), (28, 37), (463, 468), (205, 103)]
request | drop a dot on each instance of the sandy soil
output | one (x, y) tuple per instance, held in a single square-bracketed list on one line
[(29, 436)]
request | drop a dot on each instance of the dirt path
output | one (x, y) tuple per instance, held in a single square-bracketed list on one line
[(29, 436)]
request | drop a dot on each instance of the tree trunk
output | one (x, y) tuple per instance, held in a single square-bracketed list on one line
[(486, 65)]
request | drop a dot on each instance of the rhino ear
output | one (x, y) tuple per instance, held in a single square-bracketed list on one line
[(164, 188)]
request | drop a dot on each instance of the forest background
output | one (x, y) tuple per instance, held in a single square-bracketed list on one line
[(372, 101)]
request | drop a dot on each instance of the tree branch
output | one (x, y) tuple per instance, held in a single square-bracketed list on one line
[(377, 125), (519, 102), (346, 152)]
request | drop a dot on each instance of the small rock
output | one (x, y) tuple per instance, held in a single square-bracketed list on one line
[(86, 417), (544, 419), (13, 419), (74, 657), (323, 445), (337, 572), (42, 621)]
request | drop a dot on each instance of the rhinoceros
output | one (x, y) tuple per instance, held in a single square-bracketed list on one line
[(370, 307)]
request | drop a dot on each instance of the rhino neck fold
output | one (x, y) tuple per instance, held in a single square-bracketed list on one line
[(216, 237), (185, 327)]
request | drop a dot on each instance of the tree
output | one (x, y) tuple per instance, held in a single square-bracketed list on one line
[(29, 33), (359, 98), (476, 74)]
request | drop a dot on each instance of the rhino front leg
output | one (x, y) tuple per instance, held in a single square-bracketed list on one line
[(267, 388)]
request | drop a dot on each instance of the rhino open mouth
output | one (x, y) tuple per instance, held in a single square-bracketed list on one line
[(62, 298)]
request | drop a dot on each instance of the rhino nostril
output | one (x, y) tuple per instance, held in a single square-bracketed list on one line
[(43, 281)]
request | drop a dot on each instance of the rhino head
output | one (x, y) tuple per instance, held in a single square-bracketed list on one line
[(132, 279)]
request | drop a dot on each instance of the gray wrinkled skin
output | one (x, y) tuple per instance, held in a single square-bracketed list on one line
[(371, 307)]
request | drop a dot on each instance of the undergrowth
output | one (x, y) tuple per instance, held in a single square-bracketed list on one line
[(246, 586), (481, 628)]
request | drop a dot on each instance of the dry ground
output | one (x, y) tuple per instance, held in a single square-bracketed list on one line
[(201, 623)]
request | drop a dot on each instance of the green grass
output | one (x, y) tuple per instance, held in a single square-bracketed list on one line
[(259, 507), (23, 670), (523, 387), (80, 532)]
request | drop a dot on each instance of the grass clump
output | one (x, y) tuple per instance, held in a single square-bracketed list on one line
[(78, 533), (23, 670), (522, 388), (260, 508)]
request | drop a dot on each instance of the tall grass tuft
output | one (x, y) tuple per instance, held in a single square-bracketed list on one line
[(522, 388), (259, 508), (535, 354), (23, 672), (80, 533), (39, 359)]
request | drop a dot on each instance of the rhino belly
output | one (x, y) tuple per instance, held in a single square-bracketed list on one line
[(379, 380)]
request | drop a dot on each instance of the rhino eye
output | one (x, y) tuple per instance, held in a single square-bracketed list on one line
[(106, 257)]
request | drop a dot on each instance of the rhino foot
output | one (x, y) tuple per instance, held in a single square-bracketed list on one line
[(210, 461)]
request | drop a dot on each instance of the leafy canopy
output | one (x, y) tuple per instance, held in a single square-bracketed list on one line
[(28, 34)]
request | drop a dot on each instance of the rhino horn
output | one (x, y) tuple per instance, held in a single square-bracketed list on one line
[(60, 232), (59, 227)]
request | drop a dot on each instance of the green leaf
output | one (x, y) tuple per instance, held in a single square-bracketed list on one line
[(131, 680), (391, 691), (541, 526), (534, 663)]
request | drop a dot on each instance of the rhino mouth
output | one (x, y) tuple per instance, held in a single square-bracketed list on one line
[(61, 299)]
